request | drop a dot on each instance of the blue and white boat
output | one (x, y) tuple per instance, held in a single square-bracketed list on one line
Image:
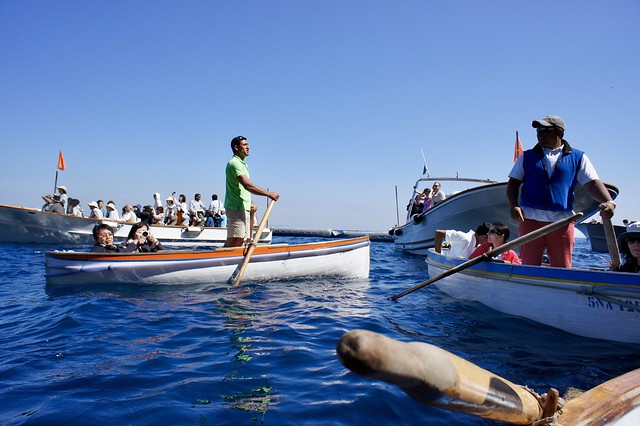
[(587, 302)]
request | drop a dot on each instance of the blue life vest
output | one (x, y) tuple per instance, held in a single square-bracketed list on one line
[(555, 193)]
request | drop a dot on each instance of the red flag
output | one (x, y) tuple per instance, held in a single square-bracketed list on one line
[(61, 163), (517, 150)]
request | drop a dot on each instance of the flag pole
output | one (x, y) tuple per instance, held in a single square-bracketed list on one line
[(518, 149), (55, 184), (425, 169)]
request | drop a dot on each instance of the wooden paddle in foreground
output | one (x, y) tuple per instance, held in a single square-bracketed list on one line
[(239, 272), (612, 242), (494, 252), (436, 377)]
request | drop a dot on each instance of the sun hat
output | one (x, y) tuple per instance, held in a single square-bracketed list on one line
[(633, 230), (111, 206), (63, 188), (93, 204), (169, 199), (549, 121)]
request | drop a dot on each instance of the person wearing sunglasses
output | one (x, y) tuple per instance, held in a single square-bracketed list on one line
[(541, 191), (630, 249), (497, 236)]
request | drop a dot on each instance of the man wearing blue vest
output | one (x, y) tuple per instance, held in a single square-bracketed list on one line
[(548, 175)]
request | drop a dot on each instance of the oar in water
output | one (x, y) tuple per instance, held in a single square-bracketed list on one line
[(438, 378), (612, 242), (239, 272), (494, 252)]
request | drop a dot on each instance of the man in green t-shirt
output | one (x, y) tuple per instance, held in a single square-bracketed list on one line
[(237, 200)]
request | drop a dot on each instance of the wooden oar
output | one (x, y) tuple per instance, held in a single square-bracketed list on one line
[(437, 378), (494, 252), (612, 242), (239, 272)]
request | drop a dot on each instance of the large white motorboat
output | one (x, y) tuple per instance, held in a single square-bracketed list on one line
[(28, 225), (479, 201)]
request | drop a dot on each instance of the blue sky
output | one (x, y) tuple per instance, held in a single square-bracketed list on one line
[(337, 98)]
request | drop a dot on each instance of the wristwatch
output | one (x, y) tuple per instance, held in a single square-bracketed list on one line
[(612, 202)]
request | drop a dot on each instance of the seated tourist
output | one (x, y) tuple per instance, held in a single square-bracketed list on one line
[(141, 240), (498, 235), (128, 215), (103, 236), (171, 212), (437, 195), (199, 219), (427, 201), (112, 212), (56, 205), (630, 249), (183, 211), (96, 213), (64, 198), (158, 218), (196, 206), (223, 218), (461, 244), (146, 214), (76, 210), (48, 199)]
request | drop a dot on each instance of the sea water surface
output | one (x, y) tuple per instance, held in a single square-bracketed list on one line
[(260, 353)]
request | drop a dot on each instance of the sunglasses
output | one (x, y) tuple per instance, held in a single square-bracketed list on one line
[(632, 240), (495, 231), (545, 129)]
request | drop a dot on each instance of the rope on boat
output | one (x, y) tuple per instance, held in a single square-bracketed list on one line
[(551, 404)]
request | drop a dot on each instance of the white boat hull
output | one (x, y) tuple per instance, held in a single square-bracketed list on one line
[(590, 303), (340, 258), (27, 225)]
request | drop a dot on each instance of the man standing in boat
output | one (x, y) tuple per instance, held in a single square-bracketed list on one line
[(237, 200), (548, 175)]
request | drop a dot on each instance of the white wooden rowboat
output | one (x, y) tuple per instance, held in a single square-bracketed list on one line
[(587, 302), (348, 258), (27, 225)]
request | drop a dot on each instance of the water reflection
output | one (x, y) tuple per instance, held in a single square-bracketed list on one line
[(252, 394)]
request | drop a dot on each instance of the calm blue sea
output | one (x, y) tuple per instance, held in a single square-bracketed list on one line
[(258, 353)]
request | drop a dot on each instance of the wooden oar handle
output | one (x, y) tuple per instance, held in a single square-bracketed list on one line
[(436, 377), (612, 242), (239, 271)]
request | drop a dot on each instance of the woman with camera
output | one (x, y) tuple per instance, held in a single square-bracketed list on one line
[(141, 240)]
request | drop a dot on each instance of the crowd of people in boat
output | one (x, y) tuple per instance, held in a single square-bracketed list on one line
[(174, 212), (425, 200)]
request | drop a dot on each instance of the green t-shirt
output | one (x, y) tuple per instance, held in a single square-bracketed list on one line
[(236, 197)]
